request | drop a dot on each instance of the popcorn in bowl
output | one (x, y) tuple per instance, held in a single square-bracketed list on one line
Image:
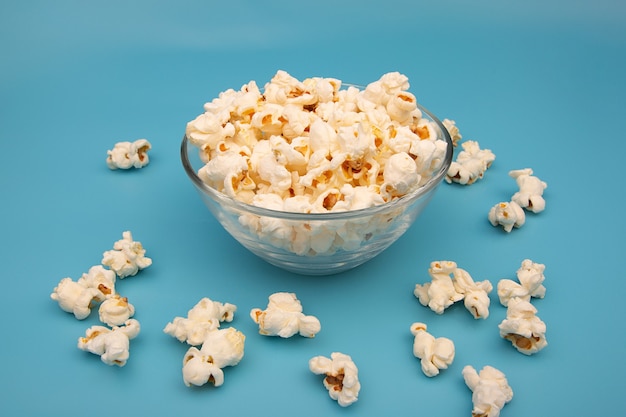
[(311, 169)]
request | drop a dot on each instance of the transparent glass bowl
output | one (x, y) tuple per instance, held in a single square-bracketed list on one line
[(349, 238)]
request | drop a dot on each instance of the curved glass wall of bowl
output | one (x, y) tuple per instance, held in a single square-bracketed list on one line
[(317, 243)]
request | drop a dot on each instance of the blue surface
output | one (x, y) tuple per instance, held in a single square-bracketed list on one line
[(540, 83)]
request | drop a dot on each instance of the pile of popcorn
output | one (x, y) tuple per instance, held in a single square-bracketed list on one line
[(97, 288), (312, 146)]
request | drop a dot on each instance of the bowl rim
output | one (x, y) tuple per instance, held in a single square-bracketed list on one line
[(222, 198)]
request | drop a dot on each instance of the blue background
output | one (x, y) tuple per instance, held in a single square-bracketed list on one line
[(540, 83)]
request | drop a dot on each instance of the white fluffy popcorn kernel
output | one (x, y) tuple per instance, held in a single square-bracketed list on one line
[(453, 131), (475, 294), (435, 353), (400, 176), (284, 317), (221, 348), (341, 377), (508, 215), (79, 297), (127, 256), (470, 164), (522, 327), (490, 390), (530, 194), (440, 293), (204, 318), (125, 155), (530, 276), (115, 310), (111, 344)]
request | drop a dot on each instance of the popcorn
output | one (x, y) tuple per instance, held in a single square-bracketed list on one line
[(530, 194), (115, 310), (530, 276), (435, 353), (400, 176), (342, 379), (490, 390), (523, 328), (316, 149), (125, 155), (221, 348), (450, 284), (283, 317), (440, 293), (453, 130), (204, 318), (470, 165), (475, 294), (79, 297), (111, 344), (508, 215), (127, 257)]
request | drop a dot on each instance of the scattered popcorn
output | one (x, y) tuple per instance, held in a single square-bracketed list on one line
[(440, 293), (523, 328), (490, 390), (342, 377), (475, 294), (204, 318), (111, 344), (453, 130), (530, 194), (507, 215), (115, 310), (435, 353), (450, 284), (311, 147), (470, 164), (125, 155), (530, 276), (221, 348), (127, 257), (79, 297), (283, 317)]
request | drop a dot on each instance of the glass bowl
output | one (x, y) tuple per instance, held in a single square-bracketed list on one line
[(317, 243)]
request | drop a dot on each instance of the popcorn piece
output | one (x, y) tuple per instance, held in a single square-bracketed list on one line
[(283, 317), (115, 310), (204, 318), (507, 215), (470, 165), (435, 353), (530, 194), (440, 293), (221, 348), (342, 379), (453, 131), (127, 257), (490, 390), (111, 344), (523, 328), (125, 155), (400, 176), (79, 297), (475, 294), (530, 276)]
